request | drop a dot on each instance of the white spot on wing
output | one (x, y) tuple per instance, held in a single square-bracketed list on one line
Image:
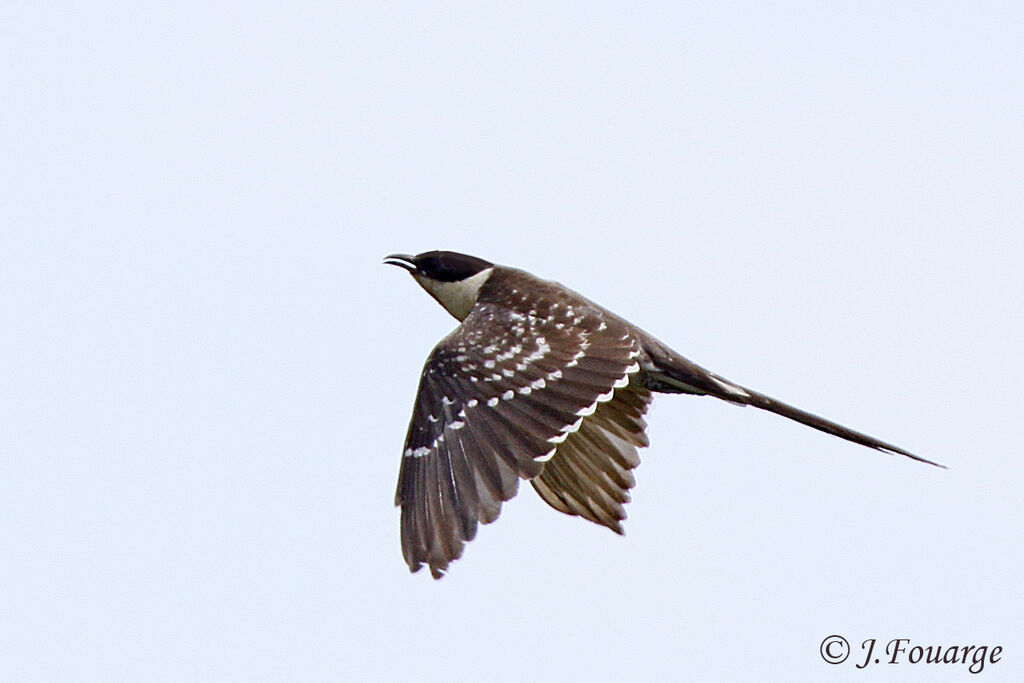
[(569, 429), (547, 456), (511, 353)]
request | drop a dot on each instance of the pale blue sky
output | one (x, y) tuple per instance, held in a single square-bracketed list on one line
[(206, 374)]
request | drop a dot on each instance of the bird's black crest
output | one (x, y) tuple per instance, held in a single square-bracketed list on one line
[(449, 266)]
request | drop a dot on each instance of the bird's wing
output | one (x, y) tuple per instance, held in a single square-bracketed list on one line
[(496, 398), (591, 472)]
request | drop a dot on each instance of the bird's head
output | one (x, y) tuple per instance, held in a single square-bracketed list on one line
[(452, 278)]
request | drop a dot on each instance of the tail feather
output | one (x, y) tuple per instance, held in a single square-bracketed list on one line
[(670, 372), (817, 422)]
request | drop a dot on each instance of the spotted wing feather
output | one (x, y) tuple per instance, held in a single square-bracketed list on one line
[(591, 474), (495, 399)]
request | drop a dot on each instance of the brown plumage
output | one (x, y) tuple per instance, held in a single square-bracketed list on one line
[(536, 383)]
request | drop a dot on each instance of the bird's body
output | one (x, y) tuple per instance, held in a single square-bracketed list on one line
[(537, 383)]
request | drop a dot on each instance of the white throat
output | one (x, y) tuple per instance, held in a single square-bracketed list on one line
[(457, 297)]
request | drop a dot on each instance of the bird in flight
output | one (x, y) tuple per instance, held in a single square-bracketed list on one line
[(539, 383)]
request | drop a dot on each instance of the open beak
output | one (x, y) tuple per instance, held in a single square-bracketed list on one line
[(401, 260)]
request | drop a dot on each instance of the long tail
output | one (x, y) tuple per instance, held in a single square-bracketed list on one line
[(770, 404), (673, 373)]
